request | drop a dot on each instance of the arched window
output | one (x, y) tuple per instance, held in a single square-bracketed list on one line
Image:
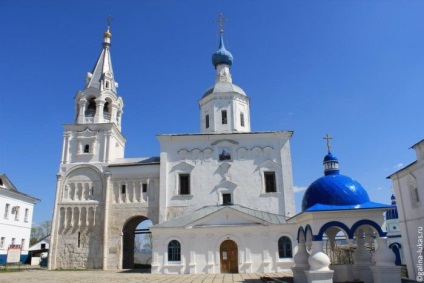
[(284, 247), (91, 108), (174, 251), (106, 107), (86, 148)]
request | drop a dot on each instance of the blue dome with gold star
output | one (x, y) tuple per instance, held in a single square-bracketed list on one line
[(222, 55), (335, 191)]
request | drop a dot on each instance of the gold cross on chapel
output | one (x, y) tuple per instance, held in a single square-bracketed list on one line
[(328, 138), (221, 22)]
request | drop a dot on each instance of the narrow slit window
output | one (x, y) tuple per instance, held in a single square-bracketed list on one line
[(224, 116), (123, 189), (79, 239), (184, 184), (86, 148), (15, 210), (207, 121), (26, 214), (415, 195), (242, 119), (270, 186), (6, 211), (144, 188)]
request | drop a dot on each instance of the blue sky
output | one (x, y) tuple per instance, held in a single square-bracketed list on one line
[(353, 69)]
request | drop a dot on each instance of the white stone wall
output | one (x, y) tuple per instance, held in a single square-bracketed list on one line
[(134, 203), (234, 104), (242, 175), (104, 141), (79, 219), (411, 211)]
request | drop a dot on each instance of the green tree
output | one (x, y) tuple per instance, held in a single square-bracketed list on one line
[(39, 231)]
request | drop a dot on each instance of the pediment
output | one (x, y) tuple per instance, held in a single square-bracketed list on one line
[(227, 216), (226, 184), (183, 166), (225, 142), (269, 164), (87, 133)]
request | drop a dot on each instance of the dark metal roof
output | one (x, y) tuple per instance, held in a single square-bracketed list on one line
[(135, 161), (8, 186)]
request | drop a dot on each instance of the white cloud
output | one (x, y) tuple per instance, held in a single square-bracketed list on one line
[(398, 166), (299, 189)]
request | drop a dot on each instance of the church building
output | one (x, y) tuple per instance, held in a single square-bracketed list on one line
[(221, 201)]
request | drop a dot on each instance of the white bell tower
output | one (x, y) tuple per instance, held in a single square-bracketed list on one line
[(96, 135)]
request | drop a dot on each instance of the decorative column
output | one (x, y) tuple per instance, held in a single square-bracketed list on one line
[(319, 271), (106, 196), (300, 263), (107, 147), (81, 111), (113, 116), (100, 103), (362, 261), (385, 269), (192, 259), (65, 147)]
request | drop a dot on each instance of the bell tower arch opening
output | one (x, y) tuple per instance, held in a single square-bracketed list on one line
[(136, 241)]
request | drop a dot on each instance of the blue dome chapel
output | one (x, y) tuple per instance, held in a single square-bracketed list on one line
[(334, 191)]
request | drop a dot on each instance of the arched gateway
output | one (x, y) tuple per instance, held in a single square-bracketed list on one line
[(128, 240)]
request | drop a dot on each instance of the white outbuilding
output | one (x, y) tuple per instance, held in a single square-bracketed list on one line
[(16, 210)]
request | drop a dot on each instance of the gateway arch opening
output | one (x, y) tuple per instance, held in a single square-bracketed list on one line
[(137, 246)]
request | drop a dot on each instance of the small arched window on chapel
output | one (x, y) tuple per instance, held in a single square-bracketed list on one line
[(284, 247), (174, 251)]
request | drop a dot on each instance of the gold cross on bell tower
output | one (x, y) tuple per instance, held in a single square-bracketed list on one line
[(221, 22), (328, 138), (109, 20)]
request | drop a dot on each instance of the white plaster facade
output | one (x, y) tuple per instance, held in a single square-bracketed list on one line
[(221, 200), (16, 210), (99, 192), (408, 186)]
